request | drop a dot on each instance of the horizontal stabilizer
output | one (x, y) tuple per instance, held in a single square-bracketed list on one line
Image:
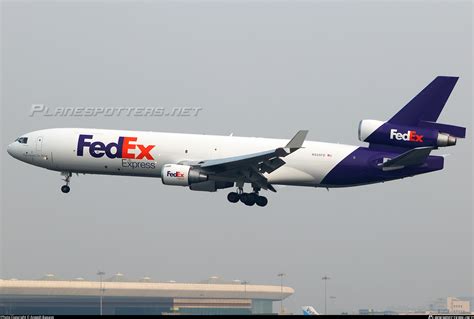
[(457, 131), (413, 157)]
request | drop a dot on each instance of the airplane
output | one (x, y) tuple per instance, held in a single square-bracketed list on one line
[(399, 147), (309, 311)]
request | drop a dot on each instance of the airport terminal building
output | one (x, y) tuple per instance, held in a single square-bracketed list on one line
[(50, 296)]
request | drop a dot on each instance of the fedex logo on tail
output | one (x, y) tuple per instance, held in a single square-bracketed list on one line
[(126, 147), (409, 136)]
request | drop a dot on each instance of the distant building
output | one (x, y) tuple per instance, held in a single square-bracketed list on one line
[(438, 306), (456, 305), (365, 312), (51, 296)]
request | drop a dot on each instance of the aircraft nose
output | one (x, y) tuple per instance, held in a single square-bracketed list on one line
[(10, 149)]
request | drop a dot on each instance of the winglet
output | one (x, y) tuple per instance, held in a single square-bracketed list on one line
[(297, 141)]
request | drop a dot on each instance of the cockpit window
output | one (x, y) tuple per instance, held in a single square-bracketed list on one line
[(22, 140)]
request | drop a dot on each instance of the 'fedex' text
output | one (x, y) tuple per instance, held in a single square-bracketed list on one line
[(126, 147), (409, 136)]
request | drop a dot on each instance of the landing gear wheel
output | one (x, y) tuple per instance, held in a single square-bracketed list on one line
[(243, 197), (65, 189), (261, 201), (250, 199), (67, 178), (233, 197)]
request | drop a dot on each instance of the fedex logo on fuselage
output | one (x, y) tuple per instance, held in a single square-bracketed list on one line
[(409, 136), (124, 148)]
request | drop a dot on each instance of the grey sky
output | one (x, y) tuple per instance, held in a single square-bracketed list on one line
[(257, 69)]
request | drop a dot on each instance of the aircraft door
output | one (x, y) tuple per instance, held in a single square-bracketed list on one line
[(39, 144)]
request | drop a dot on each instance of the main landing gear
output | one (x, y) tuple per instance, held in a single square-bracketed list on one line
[(67, 178), (248, 199)]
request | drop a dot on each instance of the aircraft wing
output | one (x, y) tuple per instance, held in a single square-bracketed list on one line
[(250, 167)]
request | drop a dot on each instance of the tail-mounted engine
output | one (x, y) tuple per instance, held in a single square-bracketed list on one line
[(386, 133)]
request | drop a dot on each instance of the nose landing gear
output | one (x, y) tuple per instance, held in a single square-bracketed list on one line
[(67, 178), (65, 189)]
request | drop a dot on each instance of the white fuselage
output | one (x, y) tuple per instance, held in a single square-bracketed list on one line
[(57, 149)]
